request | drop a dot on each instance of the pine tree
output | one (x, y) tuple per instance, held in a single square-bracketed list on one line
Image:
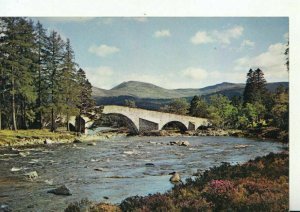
[(193, 105), (17, 61), (86, 103), (72, 88), (255, 89), (40, 78), (55, 45), (248, 92)]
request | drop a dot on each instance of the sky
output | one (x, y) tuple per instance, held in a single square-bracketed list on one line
[(175, 52)]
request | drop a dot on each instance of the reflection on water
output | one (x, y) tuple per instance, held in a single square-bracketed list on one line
[(114, 168)]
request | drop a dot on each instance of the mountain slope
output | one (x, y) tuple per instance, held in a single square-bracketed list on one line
[(144, 90), (150, 96)]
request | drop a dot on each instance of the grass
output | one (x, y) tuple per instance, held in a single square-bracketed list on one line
[(10, 137)]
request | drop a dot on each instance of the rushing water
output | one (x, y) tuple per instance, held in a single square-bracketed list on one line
[(121, 164)]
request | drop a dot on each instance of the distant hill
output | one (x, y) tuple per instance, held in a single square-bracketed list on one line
[(149, 96)]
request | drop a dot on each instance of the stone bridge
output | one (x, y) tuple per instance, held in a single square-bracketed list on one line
[(146, 120)]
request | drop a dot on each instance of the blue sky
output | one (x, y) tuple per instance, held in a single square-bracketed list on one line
[(175, 52)]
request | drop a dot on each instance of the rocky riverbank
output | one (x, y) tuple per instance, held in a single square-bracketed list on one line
[(44, 137), (256, 133), (40, 137)]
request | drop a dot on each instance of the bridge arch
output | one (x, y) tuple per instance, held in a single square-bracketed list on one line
[(175, 124), (129, 122)]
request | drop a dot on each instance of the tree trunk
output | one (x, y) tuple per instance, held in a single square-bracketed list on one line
[(14, 123), (68, 128), (39, 114), (0, 118), (52, 101), (52, 120)]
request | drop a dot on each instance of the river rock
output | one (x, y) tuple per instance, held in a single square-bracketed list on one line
[(49, 182), (91, 144), (175, 177), (14, 169), (24, 154), (184, 143), (77, 141), (62, 190), (175, 143), (241, 146), (48, 141), (5, 208), (31, 175)]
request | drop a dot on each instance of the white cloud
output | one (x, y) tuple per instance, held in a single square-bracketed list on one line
[(162, 33), (248, 43), (198, 77), (195, 73), (223, 36), (271, 62), (103, 50), (101, 76), (201, 37)]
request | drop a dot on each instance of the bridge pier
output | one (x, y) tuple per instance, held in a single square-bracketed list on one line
[(191, 126), (145, 125)]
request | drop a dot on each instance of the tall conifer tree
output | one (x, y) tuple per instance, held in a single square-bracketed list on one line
[(55, 45)]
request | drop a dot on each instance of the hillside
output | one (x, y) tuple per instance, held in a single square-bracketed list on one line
[(150, 96)]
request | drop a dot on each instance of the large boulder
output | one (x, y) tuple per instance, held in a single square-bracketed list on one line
[(62, 190), (175, 178)]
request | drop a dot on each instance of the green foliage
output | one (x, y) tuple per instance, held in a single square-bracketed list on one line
[(221, 112), (177, 106), (199, 107), (129, 103), (280, 110)]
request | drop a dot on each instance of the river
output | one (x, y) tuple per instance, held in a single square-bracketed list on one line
[(121, 164)]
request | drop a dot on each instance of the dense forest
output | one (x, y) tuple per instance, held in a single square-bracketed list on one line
[(40, 83)]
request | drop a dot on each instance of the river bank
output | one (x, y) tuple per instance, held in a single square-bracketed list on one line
[(40, 137), (9, 138), (256, 133), (257, 185)]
